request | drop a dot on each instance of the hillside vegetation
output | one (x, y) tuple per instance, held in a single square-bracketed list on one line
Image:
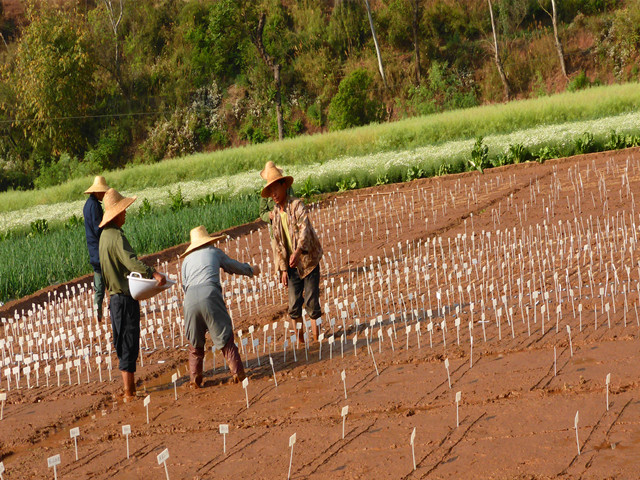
[(89, 88)]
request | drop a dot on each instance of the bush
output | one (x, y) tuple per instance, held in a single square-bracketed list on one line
[(353, 106), (55, 172), (479, 156), (109, 149), (578, 82), (585, 143)]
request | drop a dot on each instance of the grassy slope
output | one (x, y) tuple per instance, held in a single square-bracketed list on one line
[(410, 133)]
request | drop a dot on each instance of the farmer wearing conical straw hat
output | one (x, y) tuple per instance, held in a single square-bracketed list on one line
[(267, 203), (117, 260), (92, 213), (204, 307), (297, 247)]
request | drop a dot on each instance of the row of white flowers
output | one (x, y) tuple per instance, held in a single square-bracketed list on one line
[(376, 164)]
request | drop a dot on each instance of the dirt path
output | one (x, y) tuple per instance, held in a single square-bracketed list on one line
[(511, 258)]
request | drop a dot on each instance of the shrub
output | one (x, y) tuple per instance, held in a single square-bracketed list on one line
[(353, 106), (518, 153), (578, 82), (55, 172), (585, 143), (479, 156)]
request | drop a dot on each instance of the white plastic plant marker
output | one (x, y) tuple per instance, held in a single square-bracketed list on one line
[(292, 442), (75, 433), (174, 379), (146, 402), (345, 411), (1, 470), (575, 424), (126, 431), (446, 365), (458, 398), (343, 375), (570, 344), (3, 398), (608, 381), (375, 364), (245, 384), (163, 456), (275, 380), (555, 362), (54, 462), (413, 450), (224, 430)]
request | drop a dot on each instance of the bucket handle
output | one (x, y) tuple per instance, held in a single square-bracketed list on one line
[(135, 274)]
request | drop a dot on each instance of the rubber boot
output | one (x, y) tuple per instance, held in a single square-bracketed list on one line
[(196, 359), (232, 355), (129, 386)]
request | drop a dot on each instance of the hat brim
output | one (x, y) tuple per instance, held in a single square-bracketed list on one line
[(94, 189), (116, 210), (202, 243), (267, 188)]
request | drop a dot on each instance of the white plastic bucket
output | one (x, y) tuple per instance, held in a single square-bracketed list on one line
[(143, 288)]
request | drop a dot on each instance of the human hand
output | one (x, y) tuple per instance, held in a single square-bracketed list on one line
[(295, 258), (256, 269), (284, 279), (271, 215), (161, 279)]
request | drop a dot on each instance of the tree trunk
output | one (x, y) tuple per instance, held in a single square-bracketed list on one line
[(280, 120), (554, 21), (416, 46), (275, 68), (503, 76), (375, 42)]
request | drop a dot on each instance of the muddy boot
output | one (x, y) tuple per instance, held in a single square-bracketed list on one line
[(129, 386), (231, 353), (196, 359)]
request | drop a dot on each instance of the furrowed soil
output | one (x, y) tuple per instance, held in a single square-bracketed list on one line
[(496, 274)]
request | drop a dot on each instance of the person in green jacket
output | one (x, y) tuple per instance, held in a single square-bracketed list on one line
[(117, 260)]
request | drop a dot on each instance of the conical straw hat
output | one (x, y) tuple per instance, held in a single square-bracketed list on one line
[(200, 237), (272, 174), (99, 185), (114, 204)]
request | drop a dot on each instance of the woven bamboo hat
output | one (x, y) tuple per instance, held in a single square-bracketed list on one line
[(99, 185), (273, 174), (114, 204), (199, 238)]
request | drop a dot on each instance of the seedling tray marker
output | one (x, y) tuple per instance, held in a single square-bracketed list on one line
[(224, 430), (163, 456), (75, 433), (126, 431), (343, 375), (245, 383), (345, 411), (174, 379), (292, 442), (146, 402), (54, 462), (413, 451)]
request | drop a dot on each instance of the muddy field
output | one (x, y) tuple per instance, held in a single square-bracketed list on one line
[(519, 287)]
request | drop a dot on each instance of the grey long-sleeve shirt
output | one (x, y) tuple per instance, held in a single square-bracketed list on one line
[(202, 267)]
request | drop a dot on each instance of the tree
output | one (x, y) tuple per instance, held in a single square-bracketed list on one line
[(554, 21), (274, 67), (375, 42), (498, 60), (53, 81), (115, 17), (417, 15), (353, 106)]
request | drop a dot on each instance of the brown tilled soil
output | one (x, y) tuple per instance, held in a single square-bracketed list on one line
[(493, 240)]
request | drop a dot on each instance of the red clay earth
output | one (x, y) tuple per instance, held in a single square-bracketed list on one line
[(495, 241)]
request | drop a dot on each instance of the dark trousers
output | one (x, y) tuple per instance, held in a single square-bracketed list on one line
[(125, 322), (304, 292)]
